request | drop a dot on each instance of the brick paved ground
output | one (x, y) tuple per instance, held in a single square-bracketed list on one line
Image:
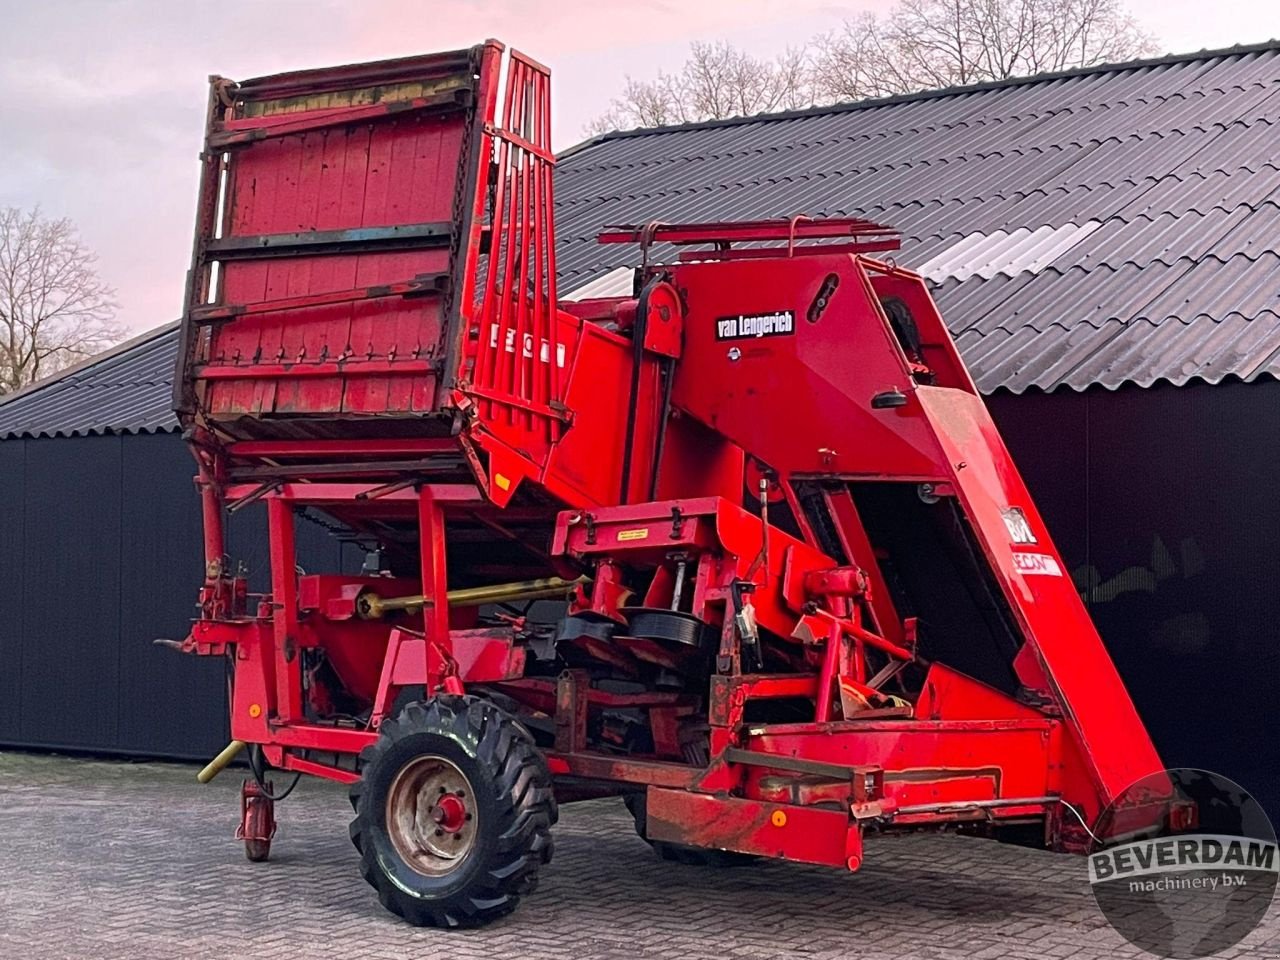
[(113, 860)]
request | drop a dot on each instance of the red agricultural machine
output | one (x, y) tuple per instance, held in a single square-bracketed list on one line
[(743, 548)]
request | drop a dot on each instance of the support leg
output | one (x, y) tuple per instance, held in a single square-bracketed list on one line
[(284, 594), (435, 582), (257, 821)]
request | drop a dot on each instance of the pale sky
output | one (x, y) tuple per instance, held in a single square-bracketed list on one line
[(102, 101)]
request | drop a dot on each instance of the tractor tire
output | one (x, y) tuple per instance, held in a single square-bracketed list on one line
[(454, 809), (679, 852)]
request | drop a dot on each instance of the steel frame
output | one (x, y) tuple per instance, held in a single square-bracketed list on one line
[(268, 703), (810, 708)]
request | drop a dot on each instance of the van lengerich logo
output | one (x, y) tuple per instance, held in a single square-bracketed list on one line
[(753, 326)]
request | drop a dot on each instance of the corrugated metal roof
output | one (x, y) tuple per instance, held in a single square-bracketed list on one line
[(1021, 251), (618, 282), (126, 390), (1104, 226)]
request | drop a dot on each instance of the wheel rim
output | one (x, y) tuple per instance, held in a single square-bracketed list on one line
[(431, 815)]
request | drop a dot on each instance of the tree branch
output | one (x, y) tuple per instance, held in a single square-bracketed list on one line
[(54, 308), (916, 45)]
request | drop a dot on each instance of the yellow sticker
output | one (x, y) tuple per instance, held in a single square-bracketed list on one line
[(640, 533), (504, 483)]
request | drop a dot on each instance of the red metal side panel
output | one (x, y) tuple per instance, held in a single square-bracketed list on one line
[(321, 282), (1101, 716), (520, 350), (800, 402), (338, 179)]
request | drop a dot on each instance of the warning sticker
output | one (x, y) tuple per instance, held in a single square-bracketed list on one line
[(641, 533), (1030, 564)]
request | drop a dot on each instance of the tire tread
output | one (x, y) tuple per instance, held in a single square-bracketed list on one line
[(525, 800)]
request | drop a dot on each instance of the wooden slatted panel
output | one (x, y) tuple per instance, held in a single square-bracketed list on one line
[(329, 196)]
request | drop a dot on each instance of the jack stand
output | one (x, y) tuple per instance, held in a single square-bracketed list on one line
[(257, 821)]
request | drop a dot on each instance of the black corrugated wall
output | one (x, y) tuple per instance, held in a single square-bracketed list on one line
[(1161, 500), (100, 553)]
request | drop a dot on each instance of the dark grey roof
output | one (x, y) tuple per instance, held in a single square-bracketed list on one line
[(126, 390), (1105, 226), (1170, 166)]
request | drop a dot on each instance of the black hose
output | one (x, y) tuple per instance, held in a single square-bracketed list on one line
[(255, 751), (259, 776)]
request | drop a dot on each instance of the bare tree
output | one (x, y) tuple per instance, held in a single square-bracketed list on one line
[(717, 81), (54, 309), (917, 45), (924, 44)]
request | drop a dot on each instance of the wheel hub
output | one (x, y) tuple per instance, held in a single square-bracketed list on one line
[(450, 812), (431, 815)]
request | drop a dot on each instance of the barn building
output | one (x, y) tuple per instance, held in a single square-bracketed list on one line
[(1105, 246)]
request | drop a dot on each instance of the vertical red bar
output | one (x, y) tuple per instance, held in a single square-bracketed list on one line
[(858, 549), (506, 357), (490, 344), (211, 512), (518, 352), (284, 596), (435, 581), (512, 291), (492, 325), (540, 372), (538, 375), (523, 367), (549, 235), (853, 651), (490, 65)]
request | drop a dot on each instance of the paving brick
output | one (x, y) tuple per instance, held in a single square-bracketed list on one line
[(116, 860)]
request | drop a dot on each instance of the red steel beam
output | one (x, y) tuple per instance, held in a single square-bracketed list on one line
[(744, 231)]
